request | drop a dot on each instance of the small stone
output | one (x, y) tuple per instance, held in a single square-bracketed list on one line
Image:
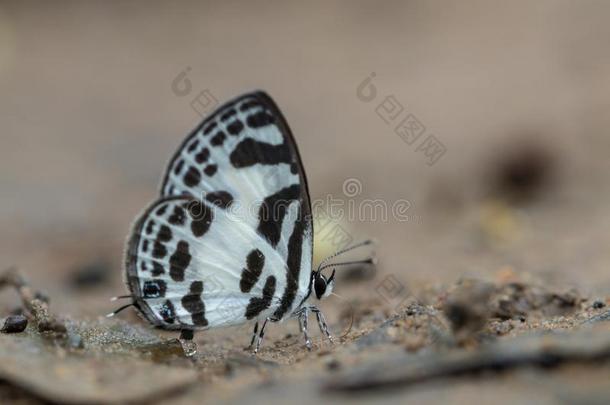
[(598, 304), (53, 326), (467, 307), (333, 365), (14, 324), (75, 341)]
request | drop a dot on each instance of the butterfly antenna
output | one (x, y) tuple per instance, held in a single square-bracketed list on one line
[(110, 315), (342, 251), (370, 260), (119, 297)]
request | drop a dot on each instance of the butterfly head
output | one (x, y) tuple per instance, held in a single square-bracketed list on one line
[(322, 287)]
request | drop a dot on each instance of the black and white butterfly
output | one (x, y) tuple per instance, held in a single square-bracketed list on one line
[(230, 238)]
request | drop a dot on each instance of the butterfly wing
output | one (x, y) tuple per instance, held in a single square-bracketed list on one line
[(244, 153), (241, 168), (191, 264)]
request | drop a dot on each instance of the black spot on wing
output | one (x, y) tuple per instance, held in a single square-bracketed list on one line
[(248, 105), (273, 210), (210, 170), (293, 262), (179, 166), (258, 305), (149, 227), (218, 139), (158, 269), (254, 267), (250, 152), (145, 246), (228, 114), (193, 146), (159, 250), (178, 216), (165, 234), (168, 312), (260, 119), (154, 289), (161, 210), (208, 129), (179, 261), (235, 128), (222, 199), (202, 156), (192, 177), (193, 303), (202, 217)]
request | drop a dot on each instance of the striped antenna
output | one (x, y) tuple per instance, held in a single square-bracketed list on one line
[(110, 315), (119, 297), (370, 260), (342, 251)]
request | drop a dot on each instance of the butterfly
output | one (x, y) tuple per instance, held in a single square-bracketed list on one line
[(230, 238)]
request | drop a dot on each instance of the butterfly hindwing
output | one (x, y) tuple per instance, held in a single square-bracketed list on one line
[(192, 264)]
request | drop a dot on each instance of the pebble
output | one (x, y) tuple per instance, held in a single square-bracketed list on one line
[(14, 324), (598, 304), (333, 364), (75, 341)]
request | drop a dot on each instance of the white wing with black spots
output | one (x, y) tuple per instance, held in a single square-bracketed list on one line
[(247, 254), (242, 154), (187, 262)]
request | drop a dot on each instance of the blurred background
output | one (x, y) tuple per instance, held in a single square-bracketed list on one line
[(516, 95)]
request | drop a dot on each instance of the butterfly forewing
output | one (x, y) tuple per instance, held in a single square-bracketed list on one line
[(230, 239)]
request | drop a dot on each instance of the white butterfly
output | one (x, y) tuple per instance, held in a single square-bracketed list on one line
[(230, 238)]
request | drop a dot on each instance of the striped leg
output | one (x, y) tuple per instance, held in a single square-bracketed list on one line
[(303, 322), (254, 333), (186, 340), (260, 336), (187, 334), (322, 323)]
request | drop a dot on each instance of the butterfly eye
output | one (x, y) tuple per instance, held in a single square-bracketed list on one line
[(320, 286)]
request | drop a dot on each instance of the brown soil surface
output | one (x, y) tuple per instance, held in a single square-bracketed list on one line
[(494, 288)]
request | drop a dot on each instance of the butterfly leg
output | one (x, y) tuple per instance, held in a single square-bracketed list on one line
[(304, 313), (186, 340), (254, 334), (186, 334), (260, 336), (322, 323)]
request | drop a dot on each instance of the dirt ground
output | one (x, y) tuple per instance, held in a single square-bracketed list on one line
[(492, 285)]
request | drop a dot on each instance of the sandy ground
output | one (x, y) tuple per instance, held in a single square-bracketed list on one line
[(516, 93)]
